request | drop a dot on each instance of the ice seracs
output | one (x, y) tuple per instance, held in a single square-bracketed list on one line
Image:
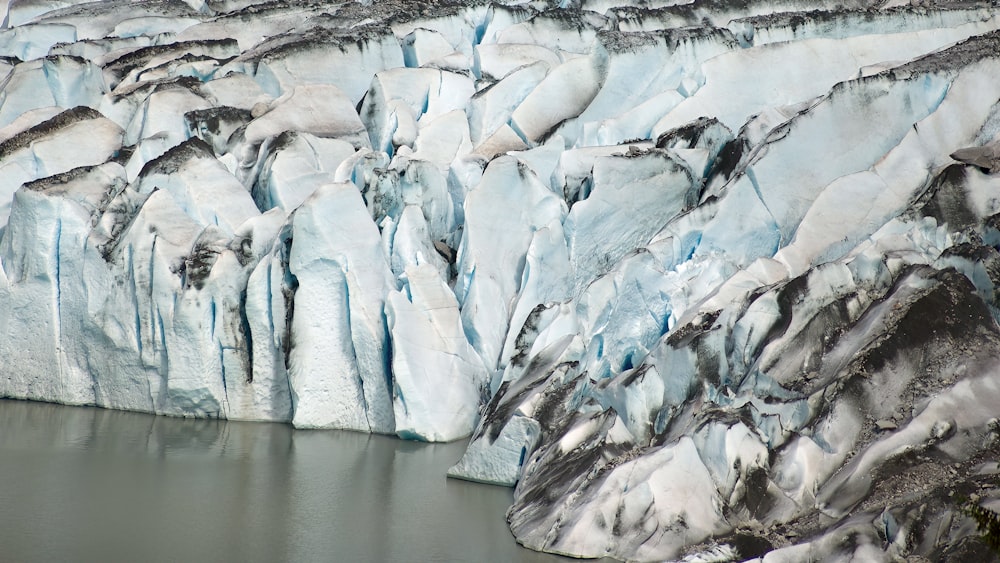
[(438, 378), (701, 280), (492, 254), (338, 358), (73, 138)]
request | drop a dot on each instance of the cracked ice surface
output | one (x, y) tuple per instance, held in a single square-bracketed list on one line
[(702, 280)]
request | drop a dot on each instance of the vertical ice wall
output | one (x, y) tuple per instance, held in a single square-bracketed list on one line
[(697, 277)]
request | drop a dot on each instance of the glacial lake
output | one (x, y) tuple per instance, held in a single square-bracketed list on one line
[(87, 484)]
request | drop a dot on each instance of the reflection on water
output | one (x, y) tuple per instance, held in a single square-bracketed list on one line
[(92, 484)]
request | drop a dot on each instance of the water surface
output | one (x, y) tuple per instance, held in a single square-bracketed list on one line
[(87, 484)]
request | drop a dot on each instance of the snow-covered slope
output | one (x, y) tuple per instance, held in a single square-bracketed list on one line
[(708, 279)]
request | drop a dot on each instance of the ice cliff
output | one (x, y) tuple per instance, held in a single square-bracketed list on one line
[(707, 280)]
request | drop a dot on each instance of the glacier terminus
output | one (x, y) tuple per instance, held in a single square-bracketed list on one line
[(702, 280)]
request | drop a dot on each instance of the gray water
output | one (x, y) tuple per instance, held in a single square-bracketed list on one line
[(87, 484)]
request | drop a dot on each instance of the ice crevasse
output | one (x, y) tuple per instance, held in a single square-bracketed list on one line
[(702, 281)]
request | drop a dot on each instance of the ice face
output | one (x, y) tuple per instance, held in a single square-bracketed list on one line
[(438, 378), (702, 280), (492, 254), (343, 278)]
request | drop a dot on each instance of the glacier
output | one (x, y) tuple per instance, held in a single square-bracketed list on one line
[(702, 280)]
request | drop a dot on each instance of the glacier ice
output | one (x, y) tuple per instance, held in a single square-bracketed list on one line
[(438, 377), (701, 280), (338, 357)]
